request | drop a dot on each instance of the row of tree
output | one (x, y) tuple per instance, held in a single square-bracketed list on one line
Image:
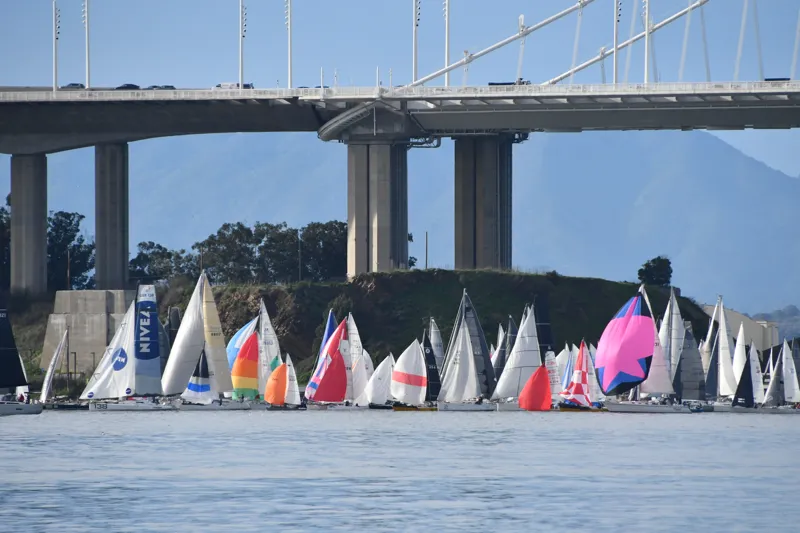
[(236, 253)]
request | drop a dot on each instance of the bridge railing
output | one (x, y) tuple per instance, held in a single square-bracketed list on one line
[(413, 93)]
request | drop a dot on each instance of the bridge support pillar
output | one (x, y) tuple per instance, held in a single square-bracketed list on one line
[(29, 223), (111, 216), (377, 208), (483, 202)]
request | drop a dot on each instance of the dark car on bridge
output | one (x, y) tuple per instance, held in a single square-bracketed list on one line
[(160, 88), (74, 86), (128, 87)]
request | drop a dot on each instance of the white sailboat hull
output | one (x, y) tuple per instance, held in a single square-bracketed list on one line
[(634, 407), (333, 407), (486, 406), (131, 406), (226, 406), (16, 408), (727, 408), (267, 407), (509, 406)]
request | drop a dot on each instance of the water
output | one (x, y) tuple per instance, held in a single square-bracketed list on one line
[(384, 471)]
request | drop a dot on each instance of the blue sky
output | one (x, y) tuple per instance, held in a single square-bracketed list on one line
[(194, 44)]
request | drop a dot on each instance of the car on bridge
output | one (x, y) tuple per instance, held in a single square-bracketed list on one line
[(231, 85), (519, 81), (73, 86), (128, 87), (160, 88)]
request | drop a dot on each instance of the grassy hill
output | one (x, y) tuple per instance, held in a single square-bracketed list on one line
[(391, 309)]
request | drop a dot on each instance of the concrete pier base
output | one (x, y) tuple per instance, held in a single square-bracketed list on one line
[(483, 202), (377, 208), (92, 318), (111, 216), (29, 223)]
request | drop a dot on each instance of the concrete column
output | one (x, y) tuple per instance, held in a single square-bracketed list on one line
[(483, 202), (111, 215), (377, 208), (29, 223)]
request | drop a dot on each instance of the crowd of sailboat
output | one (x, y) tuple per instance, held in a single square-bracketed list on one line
[(636, 366)]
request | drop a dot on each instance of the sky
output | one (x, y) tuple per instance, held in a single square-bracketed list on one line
[(194, 44)]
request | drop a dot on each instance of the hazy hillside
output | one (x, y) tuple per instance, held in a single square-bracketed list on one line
[(590, 204), (788, 320)]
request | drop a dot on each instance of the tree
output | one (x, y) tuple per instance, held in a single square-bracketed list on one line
[(277, 252), (657, 271), (68, 253), (229, 256), (154, 263), (324, 250)]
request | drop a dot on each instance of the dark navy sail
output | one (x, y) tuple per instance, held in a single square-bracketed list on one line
[(434, 381), (547, 342), (504, 350), (744, 391), (11, 371)]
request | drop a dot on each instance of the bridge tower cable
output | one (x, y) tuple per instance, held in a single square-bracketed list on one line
[(631, 33), (685, 46), (56, 34), (628, 43), (793, 69), (740, 46), (288, 22), (85, 19), (518, 35), (646, 40), (758, 41), (446, 12), (648, 25), (705, 43), (576, 42)]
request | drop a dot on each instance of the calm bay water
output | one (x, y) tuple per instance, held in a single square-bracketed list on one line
[(383, 471)]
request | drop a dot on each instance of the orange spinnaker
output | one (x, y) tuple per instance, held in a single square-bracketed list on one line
[(275, 393), (535, 396)]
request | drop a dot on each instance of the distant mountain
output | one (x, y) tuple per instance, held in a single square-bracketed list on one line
[(788, 320), (588, 204)]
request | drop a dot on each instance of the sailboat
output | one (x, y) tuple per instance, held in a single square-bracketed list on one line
[(328, 385), (576, 396), (552, 373), (725, 376), (783, 389), (689, 377), (629, 354), (12, 372), (378, 392), (361, 368), (282, 392), (198, 368), (47, 384), (434, 381), (410, 379), (246, 369), (522, 362), (437, 344), (750, 388), (130, 370), (461, 387), (505, 344)]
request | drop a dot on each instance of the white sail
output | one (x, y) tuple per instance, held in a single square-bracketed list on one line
[(269, 350), (501, 335), (292, 389), (595, 392), (727, 379), (379, 389), (592, 351), (360, 363), (739, 355), (410, 376), (671, 334), (116, 374), (55, 361), (659, 380), (461, 380), (756, 375), (218, 369), (189, 343), (552, 373), (562, 361), (523, 361), (791, 387), (707, 345), (437, 344)]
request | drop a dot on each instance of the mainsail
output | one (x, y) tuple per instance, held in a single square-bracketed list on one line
[(147, 354), (727, 379), (378, 390), (671, 334), (689, 380), (791, 387), (523, 360), (437, 344), (468, 316), (115, 376), (409, 377), (12, 372), (552, 372), (625, 350), (744, 390), (434, 382), (504, 347), (461, 381), (755, 375), (360, 365), (269, 350), (55, 361), (659, 379), (739, 355)]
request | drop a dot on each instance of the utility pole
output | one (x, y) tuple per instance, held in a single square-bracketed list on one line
[(85, 18), (56, 33)]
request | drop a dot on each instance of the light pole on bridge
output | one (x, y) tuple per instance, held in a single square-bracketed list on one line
[(242, 32), (617, 16), (446, 42), (646, 40), (85, 17), (56, 33), (415, 40), (288, 20)]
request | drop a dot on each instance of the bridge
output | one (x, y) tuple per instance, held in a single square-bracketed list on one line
[(379, 125)]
